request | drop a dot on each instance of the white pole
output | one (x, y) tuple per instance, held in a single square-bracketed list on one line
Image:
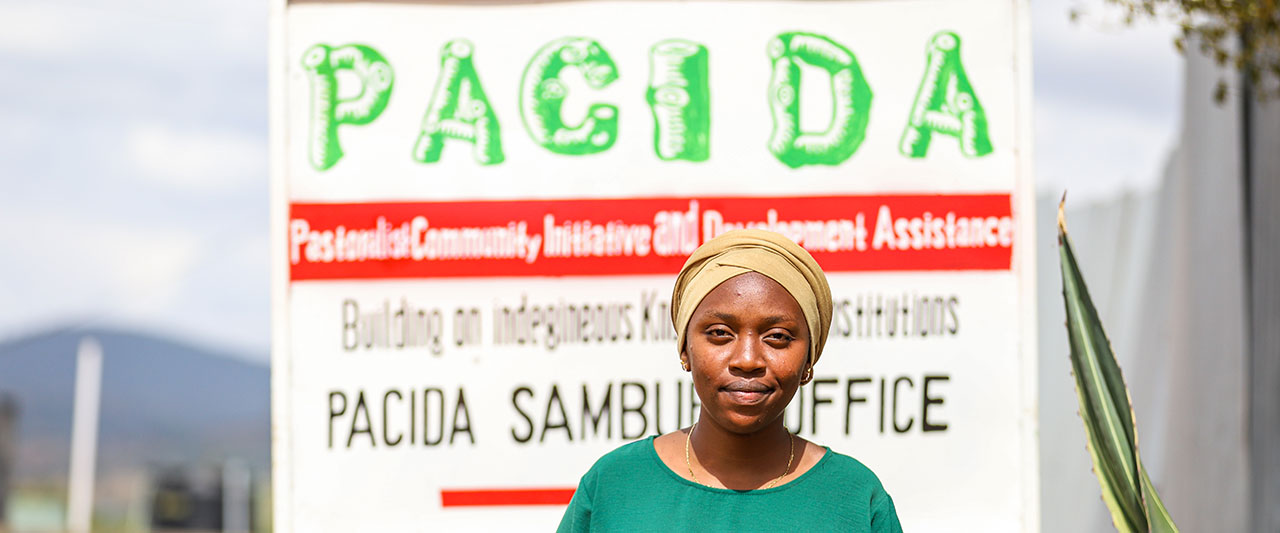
[(84, 435), (235, 497)]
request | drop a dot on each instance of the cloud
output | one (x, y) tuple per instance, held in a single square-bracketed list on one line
[(34, 28), (1095, 152), (230, 29), (84, 267), (1107, 100), (198, 159), (134, 162), (1099, 62), (146, 267), (207, 287)]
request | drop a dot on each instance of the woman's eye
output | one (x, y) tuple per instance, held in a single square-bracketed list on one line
[(780, 337), (718, 332)]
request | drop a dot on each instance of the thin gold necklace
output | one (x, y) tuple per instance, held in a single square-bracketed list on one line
[(791, 442)]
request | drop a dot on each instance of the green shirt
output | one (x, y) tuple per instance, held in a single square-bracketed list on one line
[(631, 489)]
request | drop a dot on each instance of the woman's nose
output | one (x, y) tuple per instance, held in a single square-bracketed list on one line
[(748, 355)]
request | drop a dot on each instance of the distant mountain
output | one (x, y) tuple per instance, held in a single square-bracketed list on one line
[(163, 402)]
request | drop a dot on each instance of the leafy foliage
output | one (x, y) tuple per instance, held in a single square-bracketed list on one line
[(1109, 421), (1241, 34)]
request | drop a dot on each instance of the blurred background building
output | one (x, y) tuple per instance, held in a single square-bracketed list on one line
[(183, 433)]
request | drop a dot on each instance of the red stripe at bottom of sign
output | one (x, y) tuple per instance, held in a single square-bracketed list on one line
[(502, 497)]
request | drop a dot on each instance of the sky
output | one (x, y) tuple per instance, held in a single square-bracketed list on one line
[(133, 154)]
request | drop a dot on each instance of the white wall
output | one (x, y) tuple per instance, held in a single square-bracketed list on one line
[(1165, 269)]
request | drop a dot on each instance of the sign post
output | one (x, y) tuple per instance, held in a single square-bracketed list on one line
[(479, 212), (9, 410)]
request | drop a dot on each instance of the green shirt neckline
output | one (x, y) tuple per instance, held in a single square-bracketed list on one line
[(653, 454)]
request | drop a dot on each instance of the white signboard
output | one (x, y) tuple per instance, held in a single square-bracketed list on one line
[(479, 212)]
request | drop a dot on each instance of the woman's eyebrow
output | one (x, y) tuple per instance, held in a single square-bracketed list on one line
[(727, 317), (772, 320), (769, 320)]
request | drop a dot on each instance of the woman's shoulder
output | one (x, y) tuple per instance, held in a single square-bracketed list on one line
[(858, 485), (629, 465), (853, 477), (625, 457), (842, 468)]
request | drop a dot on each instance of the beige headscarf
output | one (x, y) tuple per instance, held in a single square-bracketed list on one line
[(751, 250)]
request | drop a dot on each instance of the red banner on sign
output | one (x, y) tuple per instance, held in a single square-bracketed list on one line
[(505, 497), (633, 236)]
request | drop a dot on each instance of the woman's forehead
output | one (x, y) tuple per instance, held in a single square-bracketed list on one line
[(750, 291)]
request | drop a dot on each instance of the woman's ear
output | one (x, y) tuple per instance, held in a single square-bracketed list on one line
[(808, 375), (684, 360)]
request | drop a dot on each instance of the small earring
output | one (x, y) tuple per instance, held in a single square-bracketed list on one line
[(808, 375), (684, 364)]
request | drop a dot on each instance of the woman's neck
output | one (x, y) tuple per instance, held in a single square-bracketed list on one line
[(741, 461)]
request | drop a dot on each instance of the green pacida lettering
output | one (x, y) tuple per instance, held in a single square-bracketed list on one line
[(542, 95), (850, 98), (322, 63), (680, 99), (946, 104), (459, 110)]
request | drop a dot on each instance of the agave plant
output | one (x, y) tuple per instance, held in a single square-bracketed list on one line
[(1105, 407)]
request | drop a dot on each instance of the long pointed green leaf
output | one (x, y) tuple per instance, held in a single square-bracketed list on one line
[(1161, 522), (1105, 407)]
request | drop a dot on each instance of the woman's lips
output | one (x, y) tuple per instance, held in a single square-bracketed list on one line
[(746, 397), (746, 392)]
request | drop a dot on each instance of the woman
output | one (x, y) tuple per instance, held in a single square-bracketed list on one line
[(752, 311)]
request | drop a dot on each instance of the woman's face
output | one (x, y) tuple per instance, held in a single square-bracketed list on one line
[(747, 346)]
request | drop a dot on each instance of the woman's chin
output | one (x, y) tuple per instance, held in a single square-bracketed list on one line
[(744, 421)]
